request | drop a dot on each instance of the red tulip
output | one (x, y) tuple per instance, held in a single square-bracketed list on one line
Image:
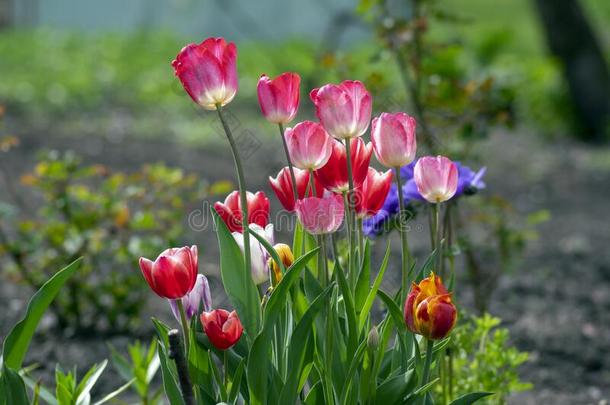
[(222, 328), (393, 137), (320, 215), (371, 196), (282, 186), (279, 98), (344, 109), (173, 274), (429, 310), (208, 72), (436, 178), (333, 175), (230, 210), (309, 145)]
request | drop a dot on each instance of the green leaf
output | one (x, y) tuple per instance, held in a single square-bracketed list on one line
[(364, 279), (370, 299), (394, 311), (12, 388), (238, 283), (170, 385), (236, 381), (115, 393), (258, 368), (350, 312), (83, 389), (18, 339), (470, 398), (394, 389)]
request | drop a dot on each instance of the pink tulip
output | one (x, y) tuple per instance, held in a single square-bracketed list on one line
[(173, 274), (343, 109), (436, 178), (393, 138), (309, 145), (321, 215), (279, 98), (208, 72)]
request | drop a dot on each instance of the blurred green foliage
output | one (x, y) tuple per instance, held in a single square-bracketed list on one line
[(111, 219)]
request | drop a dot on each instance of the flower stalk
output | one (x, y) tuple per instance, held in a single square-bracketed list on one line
[(290, 166), (402, 219)]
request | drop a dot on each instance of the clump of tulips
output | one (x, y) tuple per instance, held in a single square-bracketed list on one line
[(301, 330)]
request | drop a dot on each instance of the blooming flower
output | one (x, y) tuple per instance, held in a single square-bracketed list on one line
[(333, 175), (321, 215), (436, 178), (173, 274), (469, 182), (309, 145), (200, 294), (393, 138), (230, 210), (428, 309), (279, 97), (208, 72), (222, 328), (371, 196), (344, 109), (259, 257), (282, 186)]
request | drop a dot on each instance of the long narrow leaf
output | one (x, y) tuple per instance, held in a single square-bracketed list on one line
[(370, 299)]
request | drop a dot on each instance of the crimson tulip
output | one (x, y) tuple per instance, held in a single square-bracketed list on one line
[(282, 186), (371, 196), (333, 175), (436, 178), (320, 215), (173, 274), (344, 109), (208, 72), (393, 138), (223, 328), (279, 97), (428, 309), (230, 210), (309, 145)]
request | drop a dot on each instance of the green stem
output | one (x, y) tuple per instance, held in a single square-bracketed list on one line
[(312, 184), (351, 210), (225, 362), (290, 167), (241, 181), (185, 326), (322, 261), (402, 221), (350, 274), (360, 234), (427, 363), (437, 238)]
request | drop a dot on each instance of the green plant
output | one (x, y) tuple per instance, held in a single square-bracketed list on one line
[(140, 367), (111, 219), (484, 360)]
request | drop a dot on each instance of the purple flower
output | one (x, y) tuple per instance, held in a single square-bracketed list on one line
[(191, 301), (469, 182)]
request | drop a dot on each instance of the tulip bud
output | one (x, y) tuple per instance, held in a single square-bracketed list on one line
[(393, 138), (287, 258), (208, 72), (173, 274), (428, 309), (279, 98), (436, 178), (200, 294), (309, 145), (344, 109), (230, 210), (222, 328), (321, 215), (372, 340)]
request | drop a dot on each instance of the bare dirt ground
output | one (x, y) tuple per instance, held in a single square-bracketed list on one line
[(556, 305)]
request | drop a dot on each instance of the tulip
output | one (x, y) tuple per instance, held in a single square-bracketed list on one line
[(436, 178), (222, 328), (259, 256), (333, 175), (309, 145), (320, 215), (287, 258), (371, 196), (200, 294), (282, 186), (344, 109), (173, 274), (279, 97), (208, 72), (230, 210), (393, 138), (428, 309)]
